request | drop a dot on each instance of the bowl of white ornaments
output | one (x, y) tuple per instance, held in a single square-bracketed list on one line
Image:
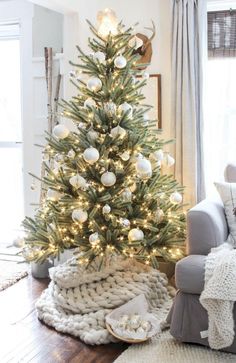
[(132, 322)]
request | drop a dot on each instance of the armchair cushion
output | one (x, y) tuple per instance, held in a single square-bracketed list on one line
[(189, 274)]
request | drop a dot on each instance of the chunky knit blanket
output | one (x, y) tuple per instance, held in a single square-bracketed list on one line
[(219, 295), (78, 300)]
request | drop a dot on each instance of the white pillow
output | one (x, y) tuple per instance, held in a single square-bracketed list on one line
[(227, 192)]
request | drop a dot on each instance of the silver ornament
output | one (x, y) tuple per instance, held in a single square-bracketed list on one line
[(71, 154), (125, 222), (110, 108), (127, 195), (125, 156), (159, 215), (106, 209)]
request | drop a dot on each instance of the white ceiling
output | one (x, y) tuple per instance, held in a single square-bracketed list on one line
[(61, 6)]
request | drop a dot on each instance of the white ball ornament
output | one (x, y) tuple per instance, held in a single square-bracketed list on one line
[(127, 195), (79, 215), (71, 154), (94, 84), (110, 108), (89, 103), (126, 107), (19, 242), (144, 168), (159, 215), (77, 181), (53, 195), (168, 161), (99, 56), (61, 131), (94, 239), (125, 156), (120, 62), (135, 234), (176, 198), (125, 222), (118, 131), (108, 179), (91, 155), (93, 135), (158, 155), (106, 209)]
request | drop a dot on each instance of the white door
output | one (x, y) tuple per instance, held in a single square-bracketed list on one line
[(11, 176)]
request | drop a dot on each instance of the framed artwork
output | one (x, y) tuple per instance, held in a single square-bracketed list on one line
[(152, 94)]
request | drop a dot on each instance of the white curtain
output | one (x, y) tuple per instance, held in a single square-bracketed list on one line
[(220, 119), (188, 47)]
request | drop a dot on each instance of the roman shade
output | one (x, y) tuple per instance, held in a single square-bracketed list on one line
[(222, 33)]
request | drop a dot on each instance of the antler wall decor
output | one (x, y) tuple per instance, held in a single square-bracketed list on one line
[(144, 47)]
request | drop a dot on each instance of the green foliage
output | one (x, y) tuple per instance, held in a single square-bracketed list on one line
[(52, 230)]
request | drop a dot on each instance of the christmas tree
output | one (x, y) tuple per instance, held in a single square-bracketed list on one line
[(105, 191)]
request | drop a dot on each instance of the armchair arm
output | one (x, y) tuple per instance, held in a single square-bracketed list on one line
[(206, 227)]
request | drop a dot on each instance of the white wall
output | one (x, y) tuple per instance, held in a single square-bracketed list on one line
[(130, 12), (47, 30)]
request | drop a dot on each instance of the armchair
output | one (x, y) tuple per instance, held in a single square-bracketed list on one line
[(207, 228)]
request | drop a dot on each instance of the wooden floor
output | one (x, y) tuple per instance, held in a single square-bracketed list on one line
[(24, 339)]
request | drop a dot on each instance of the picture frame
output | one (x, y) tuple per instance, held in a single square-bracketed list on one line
[(152, 94)]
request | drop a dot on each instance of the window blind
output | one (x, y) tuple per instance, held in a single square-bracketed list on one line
[(222, 33), (9, 30)]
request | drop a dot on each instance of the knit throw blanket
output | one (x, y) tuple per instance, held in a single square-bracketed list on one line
[(219, 295), (77, 300)]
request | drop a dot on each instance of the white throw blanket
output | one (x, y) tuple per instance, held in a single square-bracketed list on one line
[(77, 300), (219, 295)]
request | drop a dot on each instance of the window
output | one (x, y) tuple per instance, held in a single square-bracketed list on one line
[(220, 103), (11, 181)]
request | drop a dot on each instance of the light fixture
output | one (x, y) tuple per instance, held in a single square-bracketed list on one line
[(107, 22)]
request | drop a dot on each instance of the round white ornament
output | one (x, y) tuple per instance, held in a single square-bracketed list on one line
[(89, 103), (118, 131), (110, 108), (19, 242), (94, 239), (106, 209), (125, 156), (94, 84), (71, 154), (159, 215), (126, 107), (125, 222), (91, 155), (135, 42), (79, 215), (100, 56), (61, 131), (158, 155), (108, 179), (93, 135), (120, 62), (144, 168), (176, 198), (135, 234), (82, 126), (53, 195), (168, 160), (77, 181), (127, 195)]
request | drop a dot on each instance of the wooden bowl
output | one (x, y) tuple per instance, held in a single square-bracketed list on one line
[(127, 340)]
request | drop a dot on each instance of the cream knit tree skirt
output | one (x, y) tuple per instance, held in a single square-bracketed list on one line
[(77, 300)]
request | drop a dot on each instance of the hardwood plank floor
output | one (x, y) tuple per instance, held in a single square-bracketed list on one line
[(25, 339)]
